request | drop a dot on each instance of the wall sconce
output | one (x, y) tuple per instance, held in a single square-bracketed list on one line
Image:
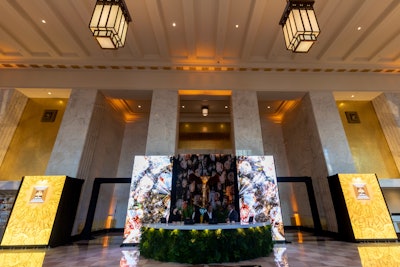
[(109, 23), (204, 111), (299, 25)]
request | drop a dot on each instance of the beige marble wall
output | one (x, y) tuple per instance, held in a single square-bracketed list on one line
[(134, 143), (387, 109), (274, 145), (335, 151), (246, 123), (163, 123), (331, 132), (317, 147), (12, 104), (88, 146), (105, 163), (69, 147)]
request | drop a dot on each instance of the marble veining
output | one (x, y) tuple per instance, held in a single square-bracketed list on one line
[(161, 138), (246, 123)]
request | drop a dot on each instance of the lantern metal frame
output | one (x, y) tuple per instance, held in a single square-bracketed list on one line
[(299, 25), (109, 23)]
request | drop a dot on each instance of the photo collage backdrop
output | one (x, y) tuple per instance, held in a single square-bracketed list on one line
[(258, 193), (150, 194), (161, 182)]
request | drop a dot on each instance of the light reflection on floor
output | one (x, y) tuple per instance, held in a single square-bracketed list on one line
[(21, 258), (303, 249), (372, 255)]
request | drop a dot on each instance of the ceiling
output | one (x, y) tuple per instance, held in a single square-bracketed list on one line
[(359, 36), (205, 36)]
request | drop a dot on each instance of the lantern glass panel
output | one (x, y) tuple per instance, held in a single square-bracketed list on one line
[(105, 42)]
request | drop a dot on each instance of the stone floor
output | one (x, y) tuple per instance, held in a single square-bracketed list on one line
[(302, 249)]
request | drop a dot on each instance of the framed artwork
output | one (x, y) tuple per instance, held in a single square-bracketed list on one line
[(352, 117), (39, 194), (49, 115)]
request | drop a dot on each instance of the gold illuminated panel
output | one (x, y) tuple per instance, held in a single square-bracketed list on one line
[(21, 258), (32, 218), (379, 256), (369, 215)]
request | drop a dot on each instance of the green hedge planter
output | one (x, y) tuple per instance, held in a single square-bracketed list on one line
[(206, 246)]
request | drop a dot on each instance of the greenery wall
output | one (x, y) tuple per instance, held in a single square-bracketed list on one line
[(206, 246)]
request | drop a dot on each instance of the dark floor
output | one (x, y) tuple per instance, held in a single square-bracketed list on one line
[(303, 249)]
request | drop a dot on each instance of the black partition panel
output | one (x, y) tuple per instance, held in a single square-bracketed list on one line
[(87, 229), (311, 198), (66, 212)]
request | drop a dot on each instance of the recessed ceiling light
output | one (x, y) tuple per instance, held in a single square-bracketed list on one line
[(352, 96), (49, 93), (43, 21), (173, 24), (183, 106), (359, 28), (237, 26), (268, 107), (226, 107), (139, 106)]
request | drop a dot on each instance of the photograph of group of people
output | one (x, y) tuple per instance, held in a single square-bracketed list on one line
[(204, 188)]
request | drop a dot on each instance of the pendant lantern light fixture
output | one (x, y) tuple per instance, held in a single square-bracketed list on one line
[(109, 23), (299, 25), (204, 111)]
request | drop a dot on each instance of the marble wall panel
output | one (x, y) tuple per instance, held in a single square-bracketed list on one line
[(387, 109), (69, 146), (331, 132), (163, 123), (246, 123), (133, 144), (274, 145), (12, 104), (317, 147), (105, 163), (332, 148)]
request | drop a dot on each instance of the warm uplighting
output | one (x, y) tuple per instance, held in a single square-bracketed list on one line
[(204, 111), (206, 92), (300, 26), (109, 23)]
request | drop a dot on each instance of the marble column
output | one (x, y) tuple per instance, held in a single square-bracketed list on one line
[(317, 146), (246, 123), (75, 146), (387, 108), (163, 123), (12, 104), (67, 157), (334, 149)]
